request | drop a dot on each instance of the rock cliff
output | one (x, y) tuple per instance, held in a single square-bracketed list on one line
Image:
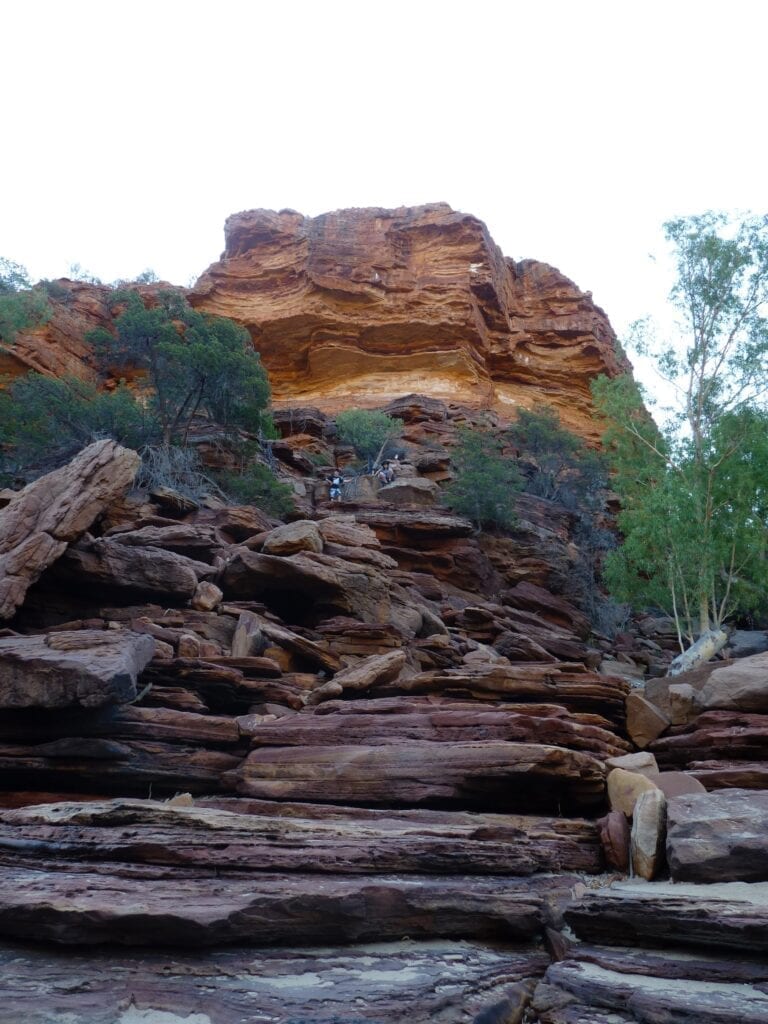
[(359, 307)]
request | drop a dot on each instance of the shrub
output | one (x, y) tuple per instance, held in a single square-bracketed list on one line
[(21, 305), (368, 431), (45, 421), (197, 364), (257, 485), (485, 484)]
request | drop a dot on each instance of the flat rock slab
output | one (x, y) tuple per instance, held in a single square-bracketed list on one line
[(178, 907), (87, 668), (489, 775), (152, 832), (440, 981), (731, 915), (599, 986), (718, 837)]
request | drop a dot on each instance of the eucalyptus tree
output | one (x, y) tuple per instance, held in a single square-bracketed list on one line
[(693, 487)]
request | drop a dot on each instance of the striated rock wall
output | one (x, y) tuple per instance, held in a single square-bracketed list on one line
[(357, 307)]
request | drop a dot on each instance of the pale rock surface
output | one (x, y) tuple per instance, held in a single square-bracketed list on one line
[(741, 686), (647, 839), (290, 539), (720, 836), (625, 788)]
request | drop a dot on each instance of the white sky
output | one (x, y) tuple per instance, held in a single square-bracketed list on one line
[(574, 128)]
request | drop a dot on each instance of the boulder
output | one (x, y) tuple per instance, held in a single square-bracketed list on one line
[(106, 564), (302, 535), (718, 837), (40, 521), (615, 838), (85, 668), (410, 491), (677, 784), (625, 788), (206, 597), (643, 763), (308, 579), (645, 722), (647, 839), (741, 686)]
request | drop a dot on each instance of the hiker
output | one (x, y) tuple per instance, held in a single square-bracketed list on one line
[(337, 481), (385, 474)]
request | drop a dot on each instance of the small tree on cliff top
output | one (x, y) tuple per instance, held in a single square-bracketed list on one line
[(196, 363), (369, 431), (693, 490)]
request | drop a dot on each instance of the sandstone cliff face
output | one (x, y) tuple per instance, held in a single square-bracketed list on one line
[(358, 307)]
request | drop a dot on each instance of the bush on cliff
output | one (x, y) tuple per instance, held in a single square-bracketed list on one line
[(196, 363), (21, 305), (369, 431), (45, 421), (485, 484)]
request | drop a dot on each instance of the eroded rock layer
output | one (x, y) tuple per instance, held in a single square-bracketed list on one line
[(359, 307)]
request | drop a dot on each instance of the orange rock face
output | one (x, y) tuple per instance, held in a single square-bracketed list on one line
[(58, 348), (358, 307)]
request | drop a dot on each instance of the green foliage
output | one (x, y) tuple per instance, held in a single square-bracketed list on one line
[(257, 485), (44, 421), (196, 363), (368, 431), (486, 484), (564, 469), (693, 490), (21, 305)]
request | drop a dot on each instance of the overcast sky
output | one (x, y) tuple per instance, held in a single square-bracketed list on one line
[(574, 129)]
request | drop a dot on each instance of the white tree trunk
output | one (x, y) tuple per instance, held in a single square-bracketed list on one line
[(706, 647)]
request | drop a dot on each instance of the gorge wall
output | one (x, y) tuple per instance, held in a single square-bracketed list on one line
[(358, 307)]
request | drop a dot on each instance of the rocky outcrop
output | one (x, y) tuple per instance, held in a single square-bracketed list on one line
[(40, 521), (359, 307), (718, 837), (85, 668)]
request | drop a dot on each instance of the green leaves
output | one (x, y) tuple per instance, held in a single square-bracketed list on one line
[(21, 305), (368, 431), (196, 363), (486, 483)]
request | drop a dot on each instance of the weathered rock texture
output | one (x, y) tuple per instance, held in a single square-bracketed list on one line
[(40, 521), (358, 307)]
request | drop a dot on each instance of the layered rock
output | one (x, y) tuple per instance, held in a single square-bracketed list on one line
[(359, 307)]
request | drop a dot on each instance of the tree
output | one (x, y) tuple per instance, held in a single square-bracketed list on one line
[(692, 489), (45, 421), (564, 469), (485, 483), (196, 363), (368, 431), (21, 305)]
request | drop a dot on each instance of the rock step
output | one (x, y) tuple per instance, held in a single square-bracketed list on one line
[(596, 985), (159, 906), (302, 839), (442, 981), (729, 915)]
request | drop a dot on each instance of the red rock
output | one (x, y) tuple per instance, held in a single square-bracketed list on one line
[(331, 303), (614, 836)]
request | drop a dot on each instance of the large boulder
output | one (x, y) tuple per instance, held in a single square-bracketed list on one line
[(718, 837), (647, 839), (741, 686), (307, 580), (85, 668), (290, 539), (40, 521)]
